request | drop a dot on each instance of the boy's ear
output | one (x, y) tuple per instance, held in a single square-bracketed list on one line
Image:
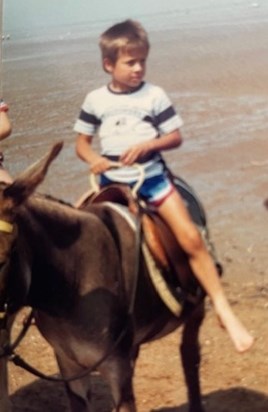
[(108, 65)]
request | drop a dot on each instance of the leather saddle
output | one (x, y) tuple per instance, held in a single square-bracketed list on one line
[(168, 256)]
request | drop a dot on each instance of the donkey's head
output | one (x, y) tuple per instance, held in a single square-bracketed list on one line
[(12, 196)]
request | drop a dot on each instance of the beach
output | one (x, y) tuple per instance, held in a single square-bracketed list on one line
[(216, 76)]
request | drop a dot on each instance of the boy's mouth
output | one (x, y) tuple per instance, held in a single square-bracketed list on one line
[(136, 78)]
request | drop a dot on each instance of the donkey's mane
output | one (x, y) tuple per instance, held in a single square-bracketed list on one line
[(49, 208), (55, 199)]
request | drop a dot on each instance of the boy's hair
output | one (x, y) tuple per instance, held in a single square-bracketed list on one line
[(123, 37)]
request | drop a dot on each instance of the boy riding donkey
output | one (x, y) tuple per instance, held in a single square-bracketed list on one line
[(135, 121)]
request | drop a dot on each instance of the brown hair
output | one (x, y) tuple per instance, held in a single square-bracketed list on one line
[(125, 36)]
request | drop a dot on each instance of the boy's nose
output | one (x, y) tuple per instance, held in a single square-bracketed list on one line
[(138, 67)]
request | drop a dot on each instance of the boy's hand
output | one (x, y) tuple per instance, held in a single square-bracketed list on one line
[(99, 165), (134, 153)]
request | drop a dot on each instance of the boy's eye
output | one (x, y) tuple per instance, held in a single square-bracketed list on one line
[(133, 62)]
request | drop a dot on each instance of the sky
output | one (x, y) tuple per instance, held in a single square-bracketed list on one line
[(22, 14)]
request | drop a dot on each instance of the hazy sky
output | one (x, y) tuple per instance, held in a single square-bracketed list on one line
[(20, 14)]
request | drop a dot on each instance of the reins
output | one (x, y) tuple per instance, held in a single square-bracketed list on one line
[(20, 362), (8, 350)]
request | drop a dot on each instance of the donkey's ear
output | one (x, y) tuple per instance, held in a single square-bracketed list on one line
[(266, 203), (27, 182)]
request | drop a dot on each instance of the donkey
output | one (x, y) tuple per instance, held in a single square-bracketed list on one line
[(76, 269)]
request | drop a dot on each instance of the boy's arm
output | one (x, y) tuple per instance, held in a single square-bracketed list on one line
[(165, 142), (98, 164)]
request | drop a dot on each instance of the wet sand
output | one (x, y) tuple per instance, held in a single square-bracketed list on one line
[(217, 78)]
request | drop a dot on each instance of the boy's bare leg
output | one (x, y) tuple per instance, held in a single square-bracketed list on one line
[(175, 213)]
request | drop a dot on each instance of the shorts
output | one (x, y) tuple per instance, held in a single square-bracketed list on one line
[(154, 190)]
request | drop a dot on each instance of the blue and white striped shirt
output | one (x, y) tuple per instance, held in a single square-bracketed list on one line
[(122, 120)]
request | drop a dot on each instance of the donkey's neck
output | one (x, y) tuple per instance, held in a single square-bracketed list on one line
[(49, 230)]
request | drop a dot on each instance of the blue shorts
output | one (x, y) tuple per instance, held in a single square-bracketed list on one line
[(153, 190)]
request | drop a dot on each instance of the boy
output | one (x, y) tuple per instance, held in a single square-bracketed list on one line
[(135, 122)]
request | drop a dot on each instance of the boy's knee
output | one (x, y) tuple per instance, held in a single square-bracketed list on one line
[(193, 241)]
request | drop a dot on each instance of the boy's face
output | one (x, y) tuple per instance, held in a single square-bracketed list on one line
[(128, 71)]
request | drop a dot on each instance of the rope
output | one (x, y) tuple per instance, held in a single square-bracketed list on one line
[(117, 165), (8, 348), (18, 361)]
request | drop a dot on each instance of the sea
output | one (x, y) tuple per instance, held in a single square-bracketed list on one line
[(170, 15), (209, 55)]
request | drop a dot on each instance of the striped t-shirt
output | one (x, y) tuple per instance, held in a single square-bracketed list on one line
[(122, 120)]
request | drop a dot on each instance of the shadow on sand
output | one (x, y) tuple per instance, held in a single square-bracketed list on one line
[(47, 396), (236, 400)]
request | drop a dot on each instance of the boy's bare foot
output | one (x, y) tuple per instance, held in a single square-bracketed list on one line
[(239, 335)]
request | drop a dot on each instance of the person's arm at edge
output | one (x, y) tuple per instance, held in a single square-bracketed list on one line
[(5, 125)]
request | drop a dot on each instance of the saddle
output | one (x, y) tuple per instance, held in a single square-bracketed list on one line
[(177, 281)]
